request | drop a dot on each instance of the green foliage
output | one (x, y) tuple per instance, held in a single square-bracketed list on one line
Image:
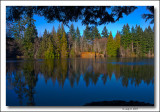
[(147, 41), (117, 43), (18, 28), (55, 44), (118, 39), (87, 33), (17, 32), (28, 49), (47, 50), (78, 35), (64, 46), (72, 32), (111, 46), (126, 36), (43, 45), (45, 34), (104, 32), (72, 53), (140, 42), (60, 31), (49, 53), (29, 35), (95, 33)]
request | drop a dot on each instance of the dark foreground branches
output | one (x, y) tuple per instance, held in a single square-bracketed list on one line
[(88, 14)]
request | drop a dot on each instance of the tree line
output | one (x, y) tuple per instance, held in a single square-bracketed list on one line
[(130, 42)]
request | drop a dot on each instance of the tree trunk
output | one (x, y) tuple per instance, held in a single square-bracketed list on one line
[(149, 54)]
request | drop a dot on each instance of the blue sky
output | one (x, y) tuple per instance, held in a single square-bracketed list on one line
[(132, 19)]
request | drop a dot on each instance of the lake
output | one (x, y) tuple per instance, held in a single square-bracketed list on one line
[(78, 81)]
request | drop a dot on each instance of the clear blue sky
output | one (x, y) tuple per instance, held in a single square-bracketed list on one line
[(132, 19)]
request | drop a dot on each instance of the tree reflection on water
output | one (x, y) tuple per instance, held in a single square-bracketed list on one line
[(23, 75)]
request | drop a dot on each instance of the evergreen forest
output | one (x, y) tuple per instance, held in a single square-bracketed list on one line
[(23, 41)]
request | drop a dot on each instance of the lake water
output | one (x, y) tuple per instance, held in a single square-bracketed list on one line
[(76, 82)]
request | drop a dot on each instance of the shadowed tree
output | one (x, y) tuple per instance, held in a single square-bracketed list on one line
[(104, 32), (49, 53), (64, 45), (29, 35), (43, 45), (72, 32), (117, 43), (126, 36), (87, 33), (56, 43), (78, 36), (95, 33), (95, 15), (149, 16)]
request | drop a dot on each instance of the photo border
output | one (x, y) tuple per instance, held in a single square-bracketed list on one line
[(70, 3)]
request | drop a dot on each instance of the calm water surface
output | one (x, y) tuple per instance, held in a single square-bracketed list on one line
[(75, 82)]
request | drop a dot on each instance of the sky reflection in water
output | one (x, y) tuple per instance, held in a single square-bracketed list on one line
[(75, 82)]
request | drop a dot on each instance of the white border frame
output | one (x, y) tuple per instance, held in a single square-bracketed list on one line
[(76, 3)]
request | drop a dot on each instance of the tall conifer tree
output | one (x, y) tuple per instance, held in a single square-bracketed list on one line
[(87, 33), (95, 33), (64, 45), (104, 32), (29, 35)]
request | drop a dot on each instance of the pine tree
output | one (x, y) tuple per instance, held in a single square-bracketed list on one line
[(78, 35), (133, 35), (104, 32), (43, 45), (87, 33), (152, 38), (150, 41), (111, 46), (126, 36), (56, 43), (49, 52), (146, 43), (64, 46), (95, 33), (62, 30), (59, 32), (117, 43), (28, 41), (139, 40), (72, 32), (16, 31)]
